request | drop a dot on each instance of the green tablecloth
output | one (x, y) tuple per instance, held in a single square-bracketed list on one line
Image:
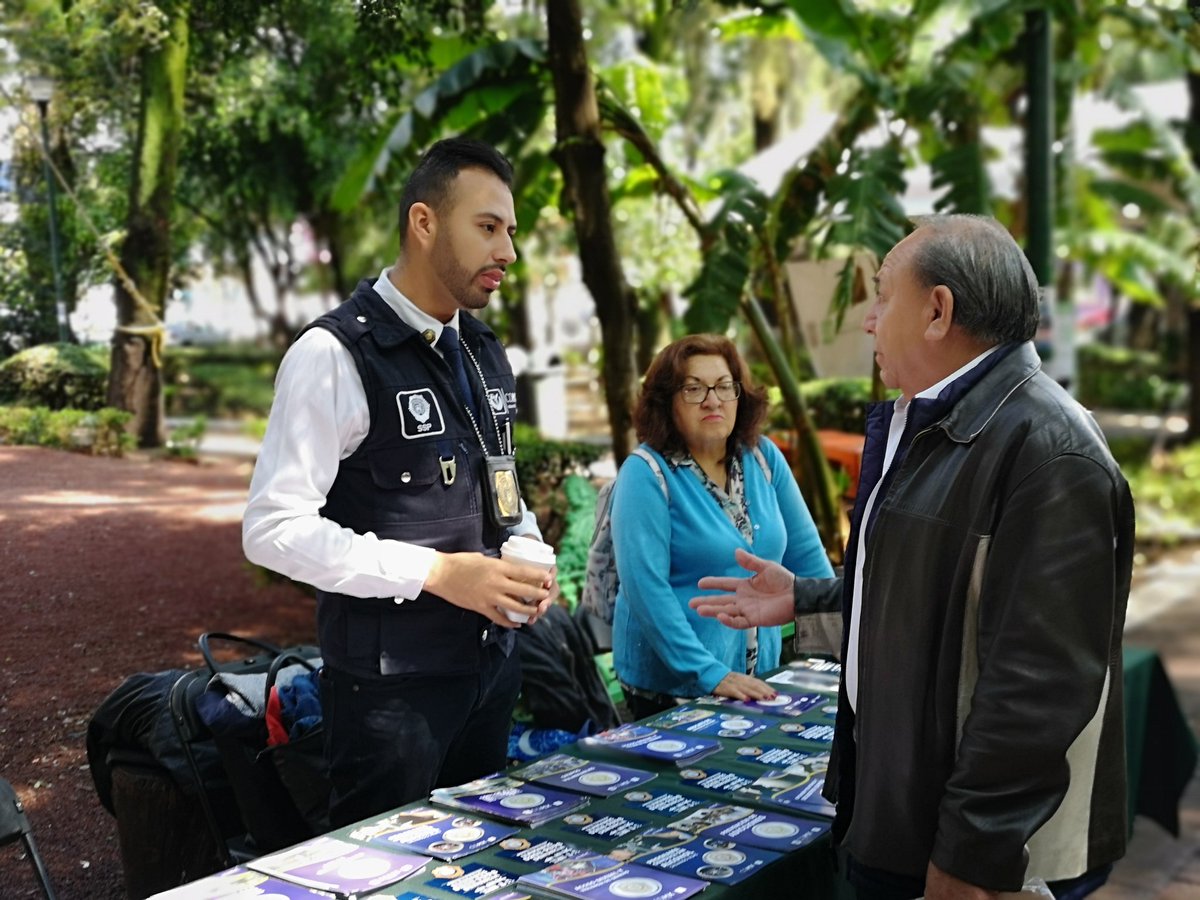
[(1160, 747), (806, 872), (1161, 757)]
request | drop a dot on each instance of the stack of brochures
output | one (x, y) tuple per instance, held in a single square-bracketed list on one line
[(810, 674), (796, 787), (709, 722), (582, 775), (434, 832), (642, 740), (593, 875), (338, 867), (240, 883), (779, 705), (510, 799), (681, 852), (752, 827)]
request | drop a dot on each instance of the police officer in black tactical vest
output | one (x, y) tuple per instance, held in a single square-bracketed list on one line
[(384, 481)]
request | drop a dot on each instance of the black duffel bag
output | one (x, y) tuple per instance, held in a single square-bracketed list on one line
[(278, 810), (300, 762)]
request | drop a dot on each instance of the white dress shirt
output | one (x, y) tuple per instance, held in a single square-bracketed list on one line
[(895, 432), (318, 418)]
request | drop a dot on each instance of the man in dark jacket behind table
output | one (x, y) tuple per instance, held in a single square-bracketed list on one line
[(386, 480), (979, 738)]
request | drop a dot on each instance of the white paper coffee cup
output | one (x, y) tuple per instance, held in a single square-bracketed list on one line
[(528, 552)]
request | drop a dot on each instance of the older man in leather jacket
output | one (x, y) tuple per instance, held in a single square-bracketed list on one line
[(979, 737)]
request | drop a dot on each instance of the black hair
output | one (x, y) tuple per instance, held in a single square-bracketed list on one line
[(433, 178)]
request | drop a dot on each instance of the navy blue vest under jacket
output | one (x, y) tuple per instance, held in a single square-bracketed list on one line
[(394, 486)]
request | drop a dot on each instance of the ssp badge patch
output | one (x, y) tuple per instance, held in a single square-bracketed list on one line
[(420, 414)]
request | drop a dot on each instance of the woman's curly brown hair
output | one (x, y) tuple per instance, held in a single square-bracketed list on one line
[(654, 415)]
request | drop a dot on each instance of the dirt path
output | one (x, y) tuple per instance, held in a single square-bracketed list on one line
[(108, 567)]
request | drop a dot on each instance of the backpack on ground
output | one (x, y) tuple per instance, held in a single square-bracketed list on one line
[(599, 594)]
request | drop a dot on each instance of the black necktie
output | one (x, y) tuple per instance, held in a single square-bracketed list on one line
[(452, 350)]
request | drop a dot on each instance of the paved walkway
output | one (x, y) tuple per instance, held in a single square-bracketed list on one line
[(1164, 614)]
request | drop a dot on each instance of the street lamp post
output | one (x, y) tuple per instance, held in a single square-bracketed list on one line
[(41, 89)]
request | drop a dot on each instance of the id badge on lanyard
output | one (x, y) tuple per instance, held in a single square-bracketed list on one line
[(501, 491)]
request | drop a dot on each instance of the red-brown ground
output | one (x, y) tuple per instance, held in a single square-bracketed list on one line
[(108, 567)]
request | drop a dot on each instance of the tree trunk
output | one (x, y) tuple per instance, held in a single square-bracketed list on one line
[(135, 382), (651, 319), (1192, 342), (812, 468), (579, 152), (516, 304), (330, 229), (768, 73), (1193, 368)]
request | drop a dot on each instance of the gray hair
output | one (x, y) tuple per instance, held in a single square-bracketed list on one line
[(995, 290)]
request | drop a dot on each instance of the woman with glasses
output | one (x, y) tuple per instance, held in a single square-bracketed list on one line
[(720, 486)]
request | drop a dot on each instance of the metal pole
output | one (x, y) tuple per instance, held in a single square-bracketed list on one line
[(1057, 316), (60, 306), (1039, 158)]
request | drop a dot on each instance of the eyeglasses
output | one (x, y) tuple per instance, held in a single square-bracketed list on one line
[(698, 393)]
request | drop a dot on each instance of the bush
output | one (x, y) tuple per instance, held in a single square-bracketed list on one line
[(1119, 378), (184, 441), (56, 376), (839, 404), (1166, 494), (219, 382), (580, 521), (542, 468), (99, 432)]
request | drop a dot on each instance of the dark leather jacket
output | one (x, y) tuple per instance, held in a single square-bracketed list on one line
[(996, 579)]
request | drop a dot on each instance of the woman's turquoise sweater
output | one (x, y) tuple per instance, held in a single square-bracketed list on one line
[(663, 547)]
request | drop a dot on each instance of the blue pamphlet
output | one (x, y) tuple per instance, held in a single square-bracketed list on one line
[(796, 787), (780, 705), (582, 775), (239, 883), (712, 859), (510, 799), (598, 876), (468, 879), (662, 803), (714, 780), (436, 832), (755, 828), (339, 867), (642, 740), (538, 851), (709, 722)]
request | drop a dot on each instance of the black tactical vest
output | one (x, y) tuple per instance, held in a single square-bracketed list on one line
[(395, 486)]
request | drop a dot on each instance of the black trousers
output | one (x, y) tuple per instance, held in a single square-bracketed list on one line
[(642, 707), (390, 741), (877, 884)]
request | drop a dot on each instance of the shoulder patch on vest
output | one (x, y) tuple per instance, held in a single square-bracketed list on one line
[(420, 414), (497, 401)]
